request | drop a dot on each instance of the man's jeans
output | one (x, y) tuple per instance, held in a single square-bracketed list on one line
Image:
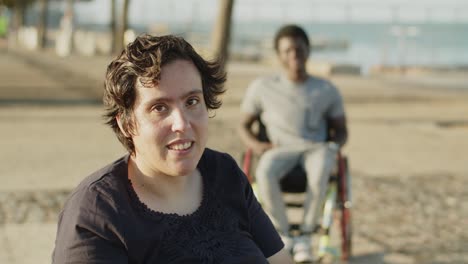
[(317, 159)]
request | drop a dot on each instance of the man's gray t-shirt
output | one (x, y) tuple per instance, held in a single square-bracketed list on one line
[(294, 114)]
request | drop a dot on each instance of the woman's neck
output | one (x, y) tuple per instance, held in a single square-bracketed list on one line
[(180, 195), (157, 183)]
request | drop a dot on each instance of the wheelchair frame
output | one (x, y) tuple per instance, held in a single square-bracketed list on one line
[(336, 205)]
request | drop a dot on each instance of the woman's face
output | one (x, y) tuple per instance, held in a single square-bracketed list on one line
[(171, 121)]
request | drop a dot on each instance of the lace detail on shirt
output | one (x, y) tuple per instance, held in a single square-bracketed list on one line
[(210, 234), (142, 207)]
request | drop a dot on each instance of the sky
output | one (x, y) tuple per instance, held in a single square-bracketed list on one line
[(144, 11)]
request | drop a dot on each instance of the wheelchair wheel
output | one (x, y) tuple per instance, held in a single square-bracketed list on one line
[(345, 201), (346, 232), (328, 212), (247, 159)]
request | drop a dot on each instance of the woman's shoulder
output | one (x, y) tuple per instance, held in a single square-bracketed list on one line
[(215, 159), (101, 187), (221, 168)]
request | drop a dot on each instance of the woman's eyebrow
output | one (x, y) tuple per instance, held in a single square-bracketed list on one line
[(195, 91)]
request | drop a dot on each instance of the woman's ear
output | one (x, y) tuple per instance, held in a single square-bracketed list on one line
[(121, 127)]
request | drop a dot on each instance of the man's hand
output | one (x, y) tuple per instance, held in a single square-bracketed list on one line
[(249, 138), (337, 130), (333, 146)]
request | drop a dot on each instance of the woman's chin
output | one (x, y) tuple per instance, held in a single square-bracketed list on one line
[(183, 170)]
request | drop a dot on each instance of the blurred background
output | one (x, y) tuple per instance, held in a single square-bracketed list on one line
[(362, 33), (401, 66)]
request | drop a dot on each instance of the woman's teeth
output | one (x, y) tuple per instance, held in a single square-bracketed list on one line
[(183, 146)]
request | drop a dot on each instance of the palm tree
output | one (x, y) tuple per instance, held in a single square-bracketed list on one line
[(222, 32), (113, 25), (42, 24), (118, 29)]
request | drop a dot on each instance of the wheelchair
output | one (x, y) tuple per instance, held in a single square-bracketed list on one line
[(336, 210)]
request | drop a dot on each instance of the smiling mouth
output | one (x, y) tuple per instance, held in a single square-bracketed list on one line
[(180, 146)]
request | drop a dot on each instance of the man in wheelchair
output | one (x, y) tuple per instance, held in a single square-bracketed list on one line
[(305, 121)]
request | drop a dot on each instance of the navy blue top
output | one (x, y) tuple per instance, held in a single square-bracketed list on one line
[(103, 221)]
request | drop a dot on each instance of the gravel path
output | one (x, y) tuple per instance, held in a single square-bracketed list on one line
[(420, 216)]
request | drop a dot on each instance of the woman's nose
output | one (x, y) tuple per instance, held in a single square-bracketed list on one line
[(180, 121)]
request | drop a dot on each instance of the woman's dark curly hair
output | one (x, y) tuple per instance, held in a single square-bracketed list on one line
[(142, 61)]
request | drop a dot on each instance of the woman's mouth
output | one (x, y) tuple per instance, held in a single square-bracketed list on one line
[(180, 146)]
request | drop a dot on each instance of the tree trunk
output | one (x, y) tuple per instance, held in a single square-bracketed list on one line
[(18, 14), (113, 26), (18, 19), (222, 32), (64, 38), (122, 27), (70, 7), (42, 24)]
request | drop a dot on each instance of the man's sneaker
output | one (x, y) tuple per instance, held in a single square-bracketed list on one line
[(288, 242), (302, 250)]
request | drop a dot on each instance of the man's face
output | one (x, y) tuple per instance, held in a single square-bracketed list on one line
[(171, 121), (293, 53)]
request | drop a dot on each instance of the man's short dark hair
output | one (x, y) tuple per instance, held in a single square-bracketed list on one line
[(142, 60), (292, 31)]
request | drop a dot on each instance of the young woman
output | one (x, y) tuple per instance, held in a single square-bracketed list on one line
[(170, 200)]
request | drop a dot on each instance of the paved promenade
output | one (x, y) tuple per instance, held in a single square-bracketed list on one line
[(52, 135)]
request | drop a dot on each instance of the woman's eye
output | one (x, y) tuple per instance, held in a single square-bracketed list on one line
[(159, 108), (192, 101)]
